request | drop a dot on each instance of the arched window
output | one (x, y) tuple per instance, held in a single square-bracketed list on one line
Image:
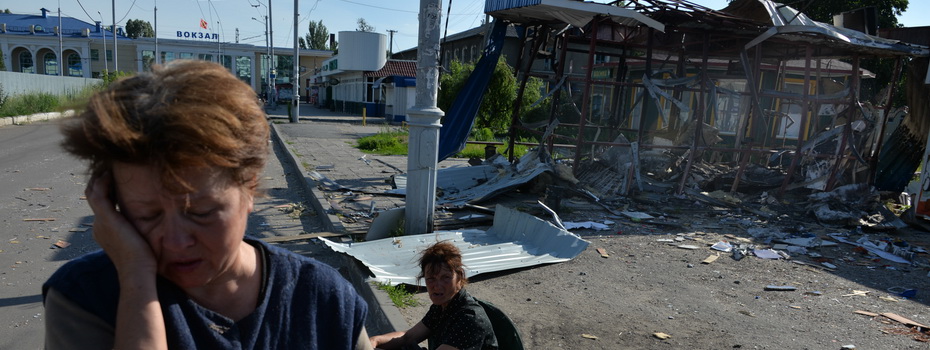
[(51, 63), (474, 53), (74, 65), (25, 63)]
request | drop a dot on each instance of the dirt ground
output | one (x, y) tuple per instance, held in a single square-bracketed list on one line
[(646, 286)]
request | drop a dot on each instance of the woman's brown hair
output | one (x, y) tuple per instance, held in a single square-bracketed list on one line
[(185, 114), (441, 254)]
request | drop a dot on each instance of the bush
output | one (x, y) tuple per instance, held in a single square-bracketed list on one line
[(29, 104)]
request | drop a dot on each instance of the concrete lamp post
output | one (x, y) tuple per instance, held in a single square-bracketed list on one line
[(423, 145)]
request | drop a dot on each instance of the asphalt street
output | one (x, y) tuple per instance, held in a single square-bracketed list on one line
[(46, 221)]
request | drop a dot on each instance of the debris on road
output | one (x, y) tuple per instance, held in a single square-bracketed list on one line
[(514, 240), (778, 288)]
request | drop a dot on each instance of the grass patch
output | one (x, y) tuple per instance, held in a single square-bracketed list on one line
[(385, 143), (398, 294), (477, 151), (32, 103), (394, 142)]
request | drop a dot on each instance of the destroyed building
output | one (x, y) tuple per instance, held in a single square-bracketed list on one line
[(777, 95)]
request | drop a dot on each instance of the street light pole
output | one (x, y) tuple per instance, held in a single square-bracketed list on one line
[(267, 59), (424, 125), (295, 80)]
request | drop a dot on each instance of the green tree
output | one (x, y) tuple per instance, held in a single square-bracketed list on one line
[(7, 11), (2, 65), (317, 36), (363, 26), (497, 106), (136, 28), (824, 10), (888, 12)]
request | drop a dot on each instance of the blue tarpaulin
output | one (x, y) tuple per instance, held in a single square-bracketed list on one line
[(461, 117)]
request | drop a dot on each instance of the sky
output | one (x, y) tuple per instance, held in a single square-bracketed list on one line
[(226, 16)]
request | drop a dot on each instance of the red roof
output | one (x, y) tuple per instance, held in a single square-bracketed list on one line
[(401, 68)]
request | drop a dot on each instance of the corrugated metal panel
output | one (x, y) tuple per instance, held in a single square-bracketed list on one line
[(576, 13), (475, 184), (515, 240), (787, 22), (497, 5)]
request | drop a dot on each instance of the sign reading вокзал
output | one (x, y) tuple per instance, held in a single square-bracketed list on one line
[(198, 35)]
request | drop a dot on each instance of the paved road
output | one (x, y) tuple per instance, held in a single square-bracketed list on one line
[(39, 181)]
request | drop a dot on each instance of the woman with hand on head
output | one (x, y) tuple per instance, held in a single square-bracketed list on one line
[(455, 320), (175, 157)]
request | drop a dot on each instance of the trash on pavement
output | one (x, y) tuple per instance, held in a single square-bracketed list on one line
[(855, 293), (778, 288), (586, 224), (710, 259), (766, 254), (722, 246)]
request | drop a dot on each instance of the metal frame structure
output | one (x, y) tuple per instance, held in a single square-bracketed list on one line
[(756, 38)]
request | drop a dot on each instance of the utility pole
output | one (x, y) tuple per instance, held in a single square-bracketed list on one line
[(157, 54), (295, 81), (103, 33), (61, 50), (115, 60), (274, 62), (266, 60), (424, 125), (391, 47)]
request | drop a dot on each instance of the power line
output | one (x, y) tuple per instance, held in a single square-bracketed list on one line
[(85, 11), (127, 12)]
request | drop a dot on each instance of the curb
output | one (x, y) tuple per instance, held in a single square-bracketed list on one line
[(383, 316), (32, 118)]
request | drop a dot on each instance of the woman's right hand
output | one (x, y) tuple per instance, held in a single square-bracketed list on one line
[(130, 252)]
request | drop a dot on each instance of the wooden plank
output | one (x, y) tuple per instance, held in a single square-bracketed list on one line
[(866, 313), (281, 239), (902, 320)]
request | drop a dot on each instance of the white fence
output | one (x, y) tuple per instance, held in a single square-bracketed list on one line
[(15, 83)]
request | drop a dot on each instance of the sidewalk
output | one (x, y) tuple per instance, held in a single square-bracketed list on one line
[(323, 141)]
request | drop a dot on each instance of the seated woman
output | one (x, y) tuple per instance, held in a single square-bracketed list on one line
[(175, 157), (455, 320)]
